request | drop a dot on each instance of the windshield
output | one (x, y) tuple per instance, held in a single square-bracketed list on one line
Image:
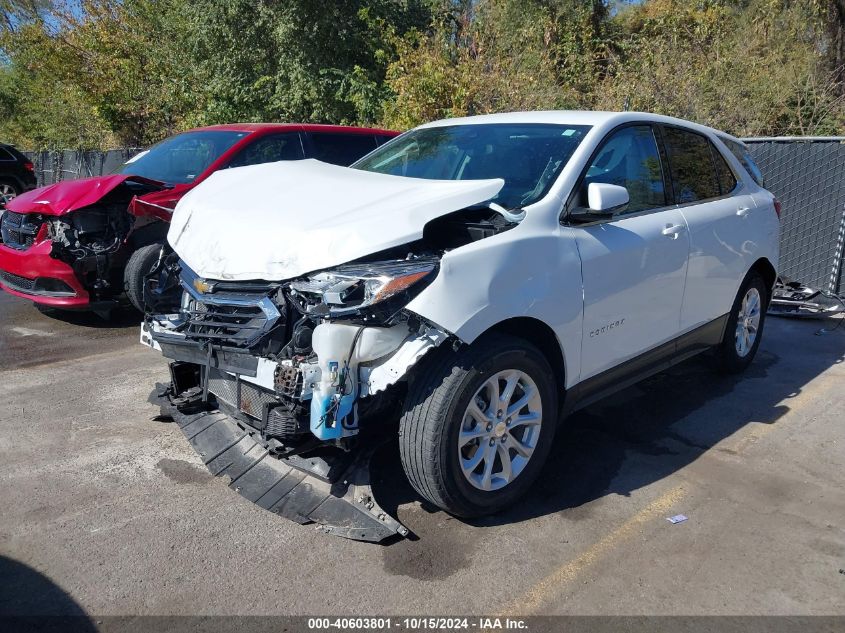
[(528, 156), (181, 158)]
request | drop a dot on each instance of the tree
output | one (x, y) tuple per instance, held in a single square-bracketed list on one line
[(494, 55), (300, 60), (96, 73)]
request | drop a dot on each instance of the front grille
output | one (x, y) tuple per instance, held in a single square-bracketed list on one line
[(220, 323), (18, 230), (16, 282), (227, 314), (240, 395)]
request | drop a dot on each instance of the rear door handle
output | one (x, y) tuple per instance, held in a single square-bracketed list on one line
[(673, 230), (743, 211)]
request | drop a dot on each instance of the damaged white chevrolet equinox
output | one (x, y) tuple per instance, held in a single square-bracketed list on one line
[(475, 278)]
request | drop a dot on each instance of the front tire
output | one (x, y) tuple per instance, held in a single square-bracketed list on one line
[(140, 264), (478, 425), (744, 329)]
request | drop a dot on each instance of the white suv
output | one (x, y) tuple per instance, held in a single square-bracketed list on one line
[(479, 277)]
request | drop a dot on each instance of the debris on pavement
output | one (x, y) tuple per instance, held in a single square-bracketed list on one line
[(794, 299), (678, 518)]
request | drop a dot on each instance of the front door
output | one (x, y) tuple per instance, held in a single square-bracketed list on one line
[(633, 266)]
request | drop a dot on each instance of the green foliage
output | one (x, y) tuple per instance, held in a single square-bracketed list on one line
[(756, 67), (103, 72), (100, 73), (489, 56), (299, 60)]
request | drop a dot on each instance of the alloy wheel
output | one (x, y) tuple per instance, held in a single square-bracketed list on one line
[(500, 430), (7, 193), (748, 322)]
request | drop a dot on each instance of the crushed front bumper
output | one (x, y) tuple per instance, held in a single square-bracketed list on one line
[(22, 270), (334, 494)]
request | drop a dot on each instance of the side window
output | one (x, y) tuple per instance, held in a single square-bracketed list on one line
[(744, 156), (691, 165), (727, 180), (341, 149), (6, 155), (269, 149), (629, 158), (381, 139)]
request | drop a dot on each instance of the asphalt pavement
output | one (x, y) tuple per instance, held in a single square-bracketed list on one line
[(107, 511)]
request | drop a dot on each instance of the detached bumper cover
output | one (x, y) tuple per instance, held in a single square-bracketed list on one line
[(342, 505)]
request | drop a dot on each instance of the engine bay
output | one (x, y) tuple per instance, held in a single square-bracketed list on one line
[(304, 360)]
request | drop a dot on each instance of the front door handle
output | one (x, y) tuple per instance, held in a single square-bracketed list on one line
[(673, 230), (743, 211)]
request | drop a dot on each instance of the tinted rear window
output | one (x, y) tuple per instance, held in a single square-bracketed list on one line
[(340, 149), (691, 165), (744, 156)]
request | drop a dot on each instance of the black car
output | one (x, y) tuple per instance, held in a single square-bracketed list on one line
[(17, 173)]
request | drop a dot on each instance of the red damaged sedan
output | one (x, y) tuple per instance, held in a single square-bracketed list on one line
[(82, 243)]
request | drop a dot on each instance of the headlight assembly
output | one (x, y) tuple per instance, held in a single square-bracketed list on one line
[(355, 288)]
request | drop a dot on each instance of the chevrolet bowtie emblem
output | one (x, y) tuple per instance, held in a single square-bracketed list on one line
[(203, 286)]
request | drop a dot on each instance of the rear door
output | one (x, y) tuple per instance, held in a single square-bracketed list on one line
[(633, 266), (718, 210)]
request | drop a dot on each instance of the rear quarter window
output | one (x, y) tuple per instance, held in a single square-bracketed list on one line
[(744, 157)]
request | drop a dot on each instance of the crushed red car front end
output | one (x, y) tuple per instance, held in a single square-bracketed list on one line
[(64, 245), (34, 274)]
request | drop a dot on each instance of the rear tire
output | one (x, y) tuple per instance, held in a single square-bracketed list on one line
[(140, 263), (476, 393), (744, 328)]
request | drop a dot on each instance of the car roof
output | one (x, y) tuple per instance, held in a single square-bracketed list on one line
[(307, 127), (15, 152), (593, 118)]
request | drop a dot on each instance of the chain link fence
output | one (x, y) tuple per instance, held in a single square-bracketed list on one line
[(57, 165), (807, 174)]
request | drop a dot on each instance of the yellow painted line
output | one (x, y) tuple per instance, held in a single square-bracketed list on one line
[(551, 584), (543, 590)]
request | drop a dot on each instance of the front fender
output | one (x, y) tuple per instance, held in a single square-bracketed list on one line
[(524, 272)]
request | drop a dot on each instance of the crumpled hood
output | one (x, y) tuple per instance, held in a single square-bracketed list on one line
[(281, 220), (70, 195)]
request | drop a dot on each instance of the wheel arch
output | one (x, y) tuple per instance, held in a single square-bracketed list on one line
[(765, 268), (152, 233), (13, 178), (541, 336)]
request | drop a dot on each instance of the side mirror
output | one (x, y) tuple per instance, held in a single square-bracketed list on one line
[(603, 200), (605, 197)]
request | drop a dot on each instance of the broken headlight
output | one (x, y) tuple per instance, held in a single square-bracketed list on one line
[(370, 289)]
